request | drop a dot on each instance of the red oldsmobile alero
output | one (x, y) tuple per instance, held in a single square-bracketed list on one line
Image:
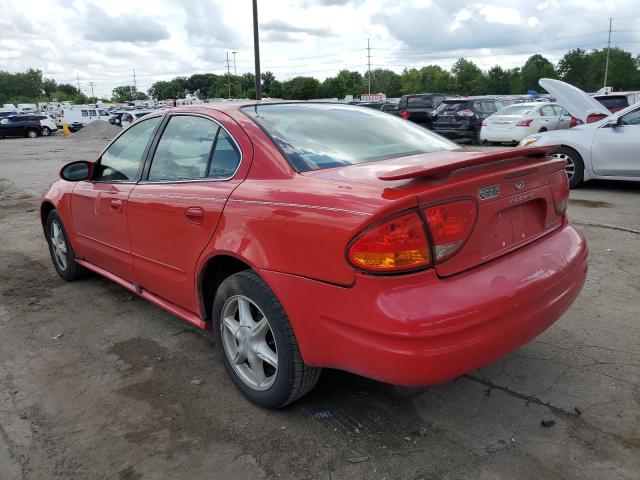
[(319, 235)]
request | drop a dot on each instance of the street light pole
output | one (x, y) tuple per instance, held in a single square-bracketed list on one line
[(256, 50)]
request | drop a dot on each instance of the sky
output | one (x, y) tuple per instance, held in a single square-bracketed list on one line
[(104, 41)]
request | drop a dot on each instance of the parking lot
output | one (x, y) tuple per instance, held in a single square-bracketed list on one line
[(97, 383)]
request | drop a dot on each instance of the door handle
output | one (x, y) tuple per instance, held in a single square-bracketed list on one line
[(195, 215), (116, 205)]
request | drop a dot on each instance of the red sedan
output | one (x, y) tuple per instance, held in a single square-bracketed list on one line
[(318, 235)]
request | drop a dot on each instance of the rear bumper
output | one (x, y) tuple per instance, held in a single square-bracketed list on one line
[(464, 132), (419, 329), (495, 135)]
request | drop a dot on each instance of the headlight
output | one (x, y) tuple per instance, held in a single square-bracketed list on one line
[(529, 140)]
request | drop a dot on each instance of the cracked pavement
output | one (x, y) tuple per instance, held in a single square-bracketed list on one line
[(112, 396)]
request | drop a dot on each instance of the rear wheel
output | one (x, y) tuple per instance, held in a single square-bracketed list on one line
[(542, 130), (256, 343), (62, 255), (32, 133), (575, 165)]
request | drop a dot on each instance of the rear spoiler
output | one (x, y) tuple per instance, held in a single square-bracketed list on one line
[(442, 168)]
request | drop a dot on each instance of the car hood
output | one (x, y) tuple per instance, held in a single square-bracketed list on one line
[(577, 102)]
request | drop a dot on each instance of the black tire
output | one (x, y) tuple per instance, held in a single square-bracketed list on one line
[(31, 133), (542, 130), (72, 270), (575, 165), (293, 378), (476, 138)]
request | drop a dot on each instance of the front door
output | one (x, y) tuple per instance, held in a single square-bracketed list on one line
[(99, 206), (615, 149), (174, 210)]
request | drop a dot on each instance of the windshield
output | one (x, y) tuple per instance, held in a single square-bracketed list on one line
[(317, 136), (516, 110)]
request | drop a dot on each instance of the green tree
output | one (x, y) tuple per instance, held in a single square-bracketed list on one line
[(498, 81), (573, 68), (468, 77), (535, 68), (385, 81), (302, 88), (127, 93)]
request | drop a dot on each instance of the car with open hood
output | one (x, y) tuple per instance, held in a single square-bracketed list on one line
[(606, 148), (309, 235)]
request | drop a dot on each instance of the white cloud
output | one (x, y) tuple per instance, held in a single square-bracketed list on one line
[(104, 41)]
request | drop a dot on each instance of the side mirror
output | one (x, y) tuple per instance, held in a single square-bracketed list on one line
[(77, 171), (616, 122)]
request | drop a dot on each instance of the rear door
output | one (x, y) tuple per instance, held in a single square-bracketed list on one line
[(99, 207), (175, 209), (614, 151), (549, 118)]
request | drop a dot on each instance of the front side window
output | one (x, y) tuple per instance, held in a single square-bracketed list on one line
[(631, 118), (120, 162), (317, 136), (85, 113), (547, 111), (184, 150)]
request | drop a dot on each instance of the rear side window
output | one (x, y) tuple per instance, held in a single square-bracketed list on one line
[(121, 160), (226, 157), (184, 150), (547, 111), (85, 113)]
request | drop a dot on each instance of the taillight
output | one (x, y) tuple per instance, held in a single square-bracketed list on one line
[(524, 123), (574, 122), (395, 245), (465, 113), (596, 117), (560, 191), (405, 115), (450, 224)]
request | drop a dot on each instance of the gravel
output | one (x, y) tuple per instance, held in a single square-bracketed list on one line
[(97, 130)]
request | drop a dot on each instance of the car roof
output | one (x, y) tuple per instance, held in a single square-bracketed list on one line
[(612, 94)]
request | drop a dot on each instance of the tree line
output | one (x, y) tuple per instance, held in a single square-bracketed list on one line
[(578, 67)]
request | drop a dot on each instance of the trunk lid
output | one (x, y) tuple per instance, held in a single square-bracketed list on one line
[(511, 189), (574, 100)]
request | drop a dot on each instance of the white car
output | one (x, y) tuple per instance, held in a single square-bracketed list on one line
[(514, 122), (606, 149), (131, 116), (47, 124)]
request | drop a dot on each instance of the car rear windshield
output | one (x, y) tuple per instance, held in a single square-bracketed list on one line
[(318, 136), (516, 110), (419, 102), (614, 102), (453, 106)]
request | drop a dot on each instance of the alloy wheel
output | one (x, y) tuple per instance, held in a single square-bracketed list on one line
[(32, 134), (59, 245), (249, 343), (571, 166), (45, 132)]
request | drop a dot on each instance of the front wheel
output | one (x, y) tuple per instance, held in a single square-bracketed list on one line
[(62, 255), (31, 133), (574, 167), (256, 343), (45, 131)]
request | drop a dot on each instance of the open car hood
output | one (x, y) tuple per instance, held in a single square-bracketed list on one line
[(577, 102)]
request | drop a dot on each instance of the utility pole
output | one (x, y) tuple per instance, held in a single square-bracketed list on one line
[(369, 63), (606, 66), (235, 71), (228, 75), (256, 50), (78, 77), (135, 85), (92, 95)]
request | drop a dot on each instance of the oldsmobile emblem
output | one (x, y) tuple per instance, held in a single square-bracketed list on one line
[(520, 185), (489, 192)]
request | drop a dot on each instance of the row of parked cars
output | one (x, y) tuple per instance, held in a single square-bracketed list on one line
[(27, 125), (489, 119)]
